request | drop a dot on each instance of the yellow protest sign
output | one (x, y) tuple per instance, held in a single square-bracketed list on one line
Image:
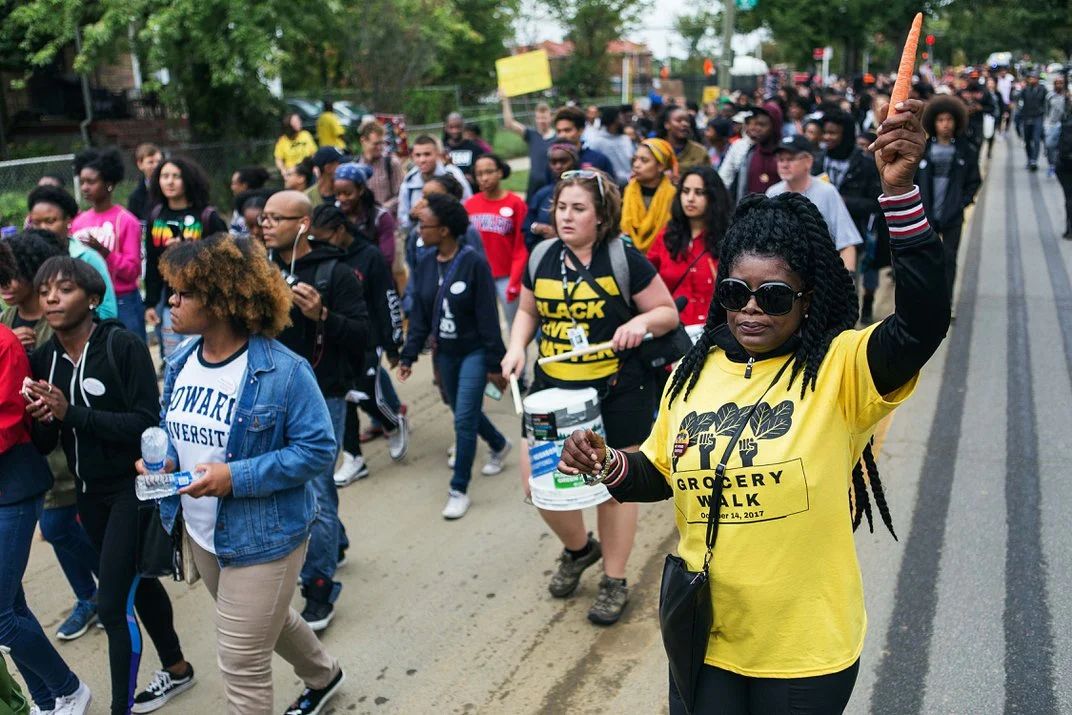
[(710, 94), (524, 73)]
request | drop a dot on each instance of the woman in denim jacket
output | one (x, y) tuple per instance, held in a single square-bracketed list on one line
[(245, 413)]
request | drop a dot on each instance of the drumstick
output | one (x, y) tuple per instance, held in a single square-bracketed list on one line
[(581, 352), (908, 63), (516, 392)]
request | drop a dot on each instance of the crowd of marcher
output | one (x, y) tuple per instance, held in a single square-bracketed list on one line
[(762, 221)]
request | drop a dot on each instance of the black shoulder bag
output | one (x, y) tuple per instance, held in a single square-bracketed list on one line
[(685, 612), (156, 552), (654, 354)]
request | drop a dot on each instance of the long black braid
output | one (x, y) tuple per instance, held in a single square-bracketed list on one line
[(790, 227)]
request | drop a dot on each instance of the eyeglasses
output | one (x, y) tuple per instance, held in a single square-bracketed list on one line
[(774, 298), (272, 219), (185, 294), (586, 174)]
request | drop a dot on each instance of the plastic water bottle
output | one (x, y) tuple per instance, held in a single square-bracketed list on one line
[(157, 484)]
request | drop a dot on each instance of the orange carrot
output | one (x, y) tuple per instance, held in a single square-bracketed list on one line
[(908, 63)]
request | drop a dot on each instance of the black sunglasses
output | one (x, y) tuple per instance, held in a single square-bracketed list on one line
[(774, 298)]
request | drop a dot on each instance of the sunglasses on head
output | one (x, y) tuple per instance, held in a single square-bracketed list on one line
[(773, 298), (586, 174)]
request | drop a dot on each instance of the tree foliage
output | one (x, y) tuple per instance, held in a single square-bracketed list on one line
[(591, 24), (699, 28)]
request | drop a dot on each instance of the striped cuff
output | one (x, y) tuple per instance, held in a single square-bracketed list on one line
[(905, 216), (618, 471)]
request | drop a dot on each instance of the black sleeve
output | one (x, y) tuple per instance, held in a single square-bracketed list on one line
[(384, 306), (154, 282), (641, 272), (903, 343), (972, 179), (865, 204), (136, 369), (642, 483), (216, 224), (419, 320), (347, 320)]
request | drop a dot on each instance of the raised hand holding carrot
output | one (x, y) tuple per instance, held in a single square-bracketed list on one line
[(908, 62)]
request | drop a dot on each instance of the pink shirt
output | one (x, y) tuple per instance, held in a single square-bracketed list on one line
[(119, 231)]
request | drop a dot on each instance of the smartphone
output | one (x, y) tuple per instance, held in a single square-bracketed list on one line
[(493, 392)]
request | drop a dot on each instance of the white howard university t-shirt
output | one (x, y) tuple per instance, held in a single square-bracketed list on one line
[(199, 423)]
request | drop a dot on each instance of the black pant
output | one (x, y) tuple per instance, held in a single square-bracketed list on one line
[(375, 405), (1065, 177), (950, 236), (111, 520), (721, 692)]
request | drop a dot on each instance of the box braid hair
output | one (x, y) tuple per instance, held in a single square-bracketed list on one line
[(789, 227)]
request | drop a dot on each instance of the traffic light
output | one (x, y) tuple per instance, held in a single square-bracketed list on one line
[(930, 40)]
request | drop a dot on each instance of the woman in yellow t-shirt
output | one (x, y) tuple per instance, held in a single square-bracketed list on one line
[(294, 143), (787, 624)]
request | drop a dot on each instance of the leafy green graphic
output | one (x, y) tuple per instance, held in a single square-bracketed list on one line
[(771, 422), (728, 419)]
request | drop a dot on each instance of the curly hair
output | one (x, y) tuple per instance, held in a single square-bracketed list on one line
[(106, 162), (55, 196), (254, 177), (195, 184), (30, 249), (789, 227), (235, 281), (450, 212), (606, 196), (678, 234), (945, 104), (9, 270)]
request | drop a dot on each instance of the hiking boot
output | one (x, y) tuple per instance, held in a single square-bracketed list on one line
[(311, 702), (568, 576), (398, 440), (353, 468), (163, 687), (495, 461), (611, 601), (82, 617), (457, 504), (318, 611)]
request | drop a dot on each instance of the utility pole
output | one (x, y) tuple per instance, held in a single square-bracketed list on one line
[(725, 60)]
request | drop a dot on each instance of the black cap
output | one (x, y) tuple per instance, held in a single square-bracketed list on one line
[(798, 144), (328, 155)]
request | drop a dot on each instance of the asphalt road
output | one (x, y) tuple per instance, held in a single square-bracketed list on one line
[(969, 612)]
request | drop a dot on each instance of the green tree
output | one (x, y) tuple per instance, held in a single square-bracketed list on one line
[(591, 25), (699, 29)]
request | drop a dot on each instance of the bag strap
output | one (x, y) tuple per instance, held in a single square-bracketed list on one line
[(686, 273), (720, 470), (536, 255), (617, 303), (619, 267)]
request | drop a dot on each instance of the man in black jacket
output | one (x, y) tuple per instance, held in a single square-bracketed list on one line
[(948, 176), (330, 329), (1032, 109), (853, 172)]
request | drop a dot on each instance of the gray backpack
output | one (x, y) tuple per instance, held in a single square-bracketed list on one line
[(619, 264)]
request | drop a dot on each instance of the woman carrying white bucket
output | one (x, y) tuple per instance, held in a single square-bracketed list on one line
[(600, 388)]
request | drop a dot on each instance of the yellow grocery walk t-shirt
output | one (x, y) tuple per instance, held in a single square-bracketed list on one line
[(786, 588)]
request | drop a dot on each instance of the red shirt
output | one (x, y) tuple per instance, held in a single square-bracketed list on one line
[(14, 368), (694, 279), (499, 223)]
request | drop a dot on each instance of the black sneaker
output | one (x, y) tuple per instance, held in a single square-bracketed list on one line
[(611, 601), (310, 702), (318, 611), (163, 687), (568, 575)]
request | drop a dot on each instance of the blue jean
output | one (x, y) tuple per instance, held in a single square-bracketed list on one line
[(46, 674), (322, 557), (77, 557), (132, 313), (463, 378), (1033, 138)]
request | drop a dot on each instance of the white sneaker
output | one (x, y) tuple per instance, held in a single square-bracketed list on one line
[(450, 456), (457, 505), (353, 468), (77, 703), (398, 441), (495, 461)]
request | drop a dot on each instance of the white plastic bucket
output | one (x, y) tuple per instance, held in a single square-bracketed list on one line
[(550, 417)]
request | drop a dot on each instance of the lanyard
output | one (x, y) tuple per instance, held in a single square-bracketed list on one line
[(567, 293)]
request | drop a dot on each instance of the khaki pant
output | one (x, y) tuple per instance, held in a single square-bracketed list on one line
[(253, 618)]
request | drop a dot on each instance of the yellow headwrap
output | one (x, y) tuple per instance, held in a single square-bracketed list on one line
[(643, 223)]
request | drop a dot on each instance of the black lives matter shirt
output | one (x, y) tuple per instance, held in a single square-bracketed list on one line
[(560, 309)]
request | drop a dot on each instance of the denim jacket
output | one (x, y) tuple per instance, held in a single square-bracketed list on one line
[(281, 438)]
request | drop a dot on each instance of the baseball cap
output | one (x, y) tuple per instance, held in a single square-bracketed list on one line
[(328, 155), (797, 144)]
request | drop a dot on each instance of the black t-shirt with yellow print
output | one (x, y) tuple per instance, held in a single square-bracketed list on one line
[(559, 310)]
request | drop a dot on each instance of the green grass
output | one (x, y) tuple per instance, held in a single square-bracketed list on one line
[(509, 145), (518, 182)]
